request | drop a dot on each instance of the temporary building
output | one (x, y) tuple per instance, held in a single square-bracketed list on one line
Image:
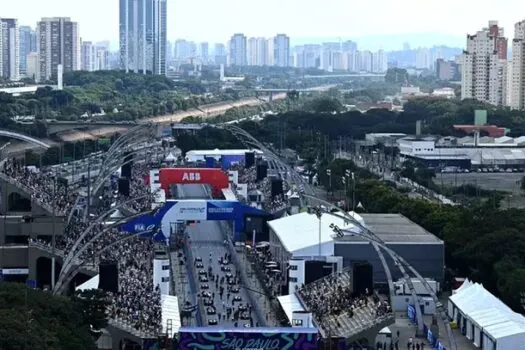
[(485, 319), (479, 320), (504, 336), (467, 283)]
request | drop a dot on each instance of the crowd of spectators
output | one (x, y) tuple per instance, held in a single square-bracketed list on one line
[(268, 274), (270, 203), (331, 297), (43, 185), (137, 302)]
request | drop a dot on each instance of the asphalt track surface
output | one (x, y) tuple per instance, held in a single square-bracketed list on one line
[(207, 243)]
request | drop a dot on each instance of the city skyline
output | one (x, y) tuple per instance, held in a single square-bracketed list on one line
[(295, 18)]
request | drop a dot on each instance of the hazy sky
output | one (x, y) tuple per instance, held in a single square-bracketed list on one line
[(217, 20)]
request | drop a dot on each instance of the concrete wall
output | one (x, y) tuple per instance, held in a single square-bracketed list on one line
[(427, 259)]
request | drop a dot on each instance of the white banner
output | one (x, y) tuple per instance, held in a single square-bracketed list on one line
[(188, 210), (15, 271)]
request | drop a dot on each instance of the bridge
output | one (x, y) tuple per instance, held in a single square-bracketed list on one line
[(350, 75), (312, 89)]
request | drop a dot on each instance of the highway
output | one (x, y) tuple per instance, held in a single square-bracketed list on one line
[(218, 282)]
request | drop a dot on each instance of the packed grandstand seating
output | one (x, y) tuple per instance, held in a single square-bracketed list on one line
[(42, 184), (136, 307), (336, 311), (249, 176)]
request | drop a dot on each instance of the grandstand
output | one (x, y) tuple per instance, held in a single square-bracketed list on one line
[(339, 313)]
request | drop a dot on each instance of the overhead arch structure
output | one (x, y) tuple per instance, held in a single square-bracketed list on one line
[(25, 138)]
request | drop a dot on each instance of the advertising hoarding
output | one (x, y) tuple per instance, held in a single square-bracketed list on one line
[(254, 339), (191, 210), (215, 177)]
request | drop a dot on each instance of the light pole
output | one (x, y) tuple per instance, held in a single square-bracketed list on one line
[(353, 191), (318, 213), (329, 173)]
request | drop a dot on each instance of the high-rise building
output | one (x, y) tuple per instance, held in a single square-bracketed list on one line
[(10, 51), (349, 46), (185, 50), (58, 43), (483, 71), (379, 62), (88, 56), (423, 58), (27, 45), (143, 35), (269, 52), (204, 51), (33, 66), (220, 54), (517, 69), (238, 54), (251, 52), (447, 70), (281, 50), (261, 51), (257, 52)]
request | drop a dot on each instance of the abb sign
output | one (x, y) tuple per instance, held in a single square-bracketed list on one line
[(215, 177), (191, 177)]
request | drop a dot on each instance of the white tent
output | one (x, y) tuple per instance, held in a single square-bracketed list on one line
[(504, 336), (467, 283), (92, 283), (465, 296), (291, 304), (478, 320), (170, 315), (170, 158), (299, 233)]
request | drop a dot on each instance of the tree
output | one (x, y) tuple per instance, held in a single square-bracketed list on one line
[(33, 319), (93, 304)]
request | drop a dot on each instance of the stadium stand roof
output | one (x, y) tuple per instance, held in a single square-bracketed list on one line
[(395, 228), (228, 194), (91, 283), (299, 233), (170, 311), (290, 304)]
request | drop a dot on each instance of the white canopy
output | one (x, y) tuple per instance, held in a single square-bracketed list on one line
[(503, 330), (467, 283), (92, 283), (169, 305), (170, 158)]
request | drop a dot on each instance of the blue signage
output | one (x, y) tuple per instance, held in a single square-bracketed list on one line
[(190, 210)]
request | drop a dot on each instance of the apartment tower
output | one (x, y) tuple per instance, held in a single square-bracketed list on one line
[(143, 35), (58, 43), (484, 66)]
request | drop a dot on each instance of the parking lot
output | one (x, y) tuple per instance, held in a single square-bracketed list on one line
[(508, 182)]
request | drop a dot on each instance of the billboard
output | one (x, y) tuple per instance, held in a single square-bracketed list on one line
[(289, 338), (160, 221), (217, 178)]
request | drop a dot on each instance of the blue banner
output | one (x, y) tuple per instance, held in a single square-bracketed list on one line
[(159, 223), (434, 342)]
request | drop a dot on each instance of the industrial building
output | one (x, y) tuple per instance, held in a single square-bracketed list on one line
[(305, 237), (467, 152)]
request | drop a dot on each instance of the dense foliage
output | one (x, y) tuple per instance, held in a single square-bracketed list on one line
[(32, 319), (121, 96)]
